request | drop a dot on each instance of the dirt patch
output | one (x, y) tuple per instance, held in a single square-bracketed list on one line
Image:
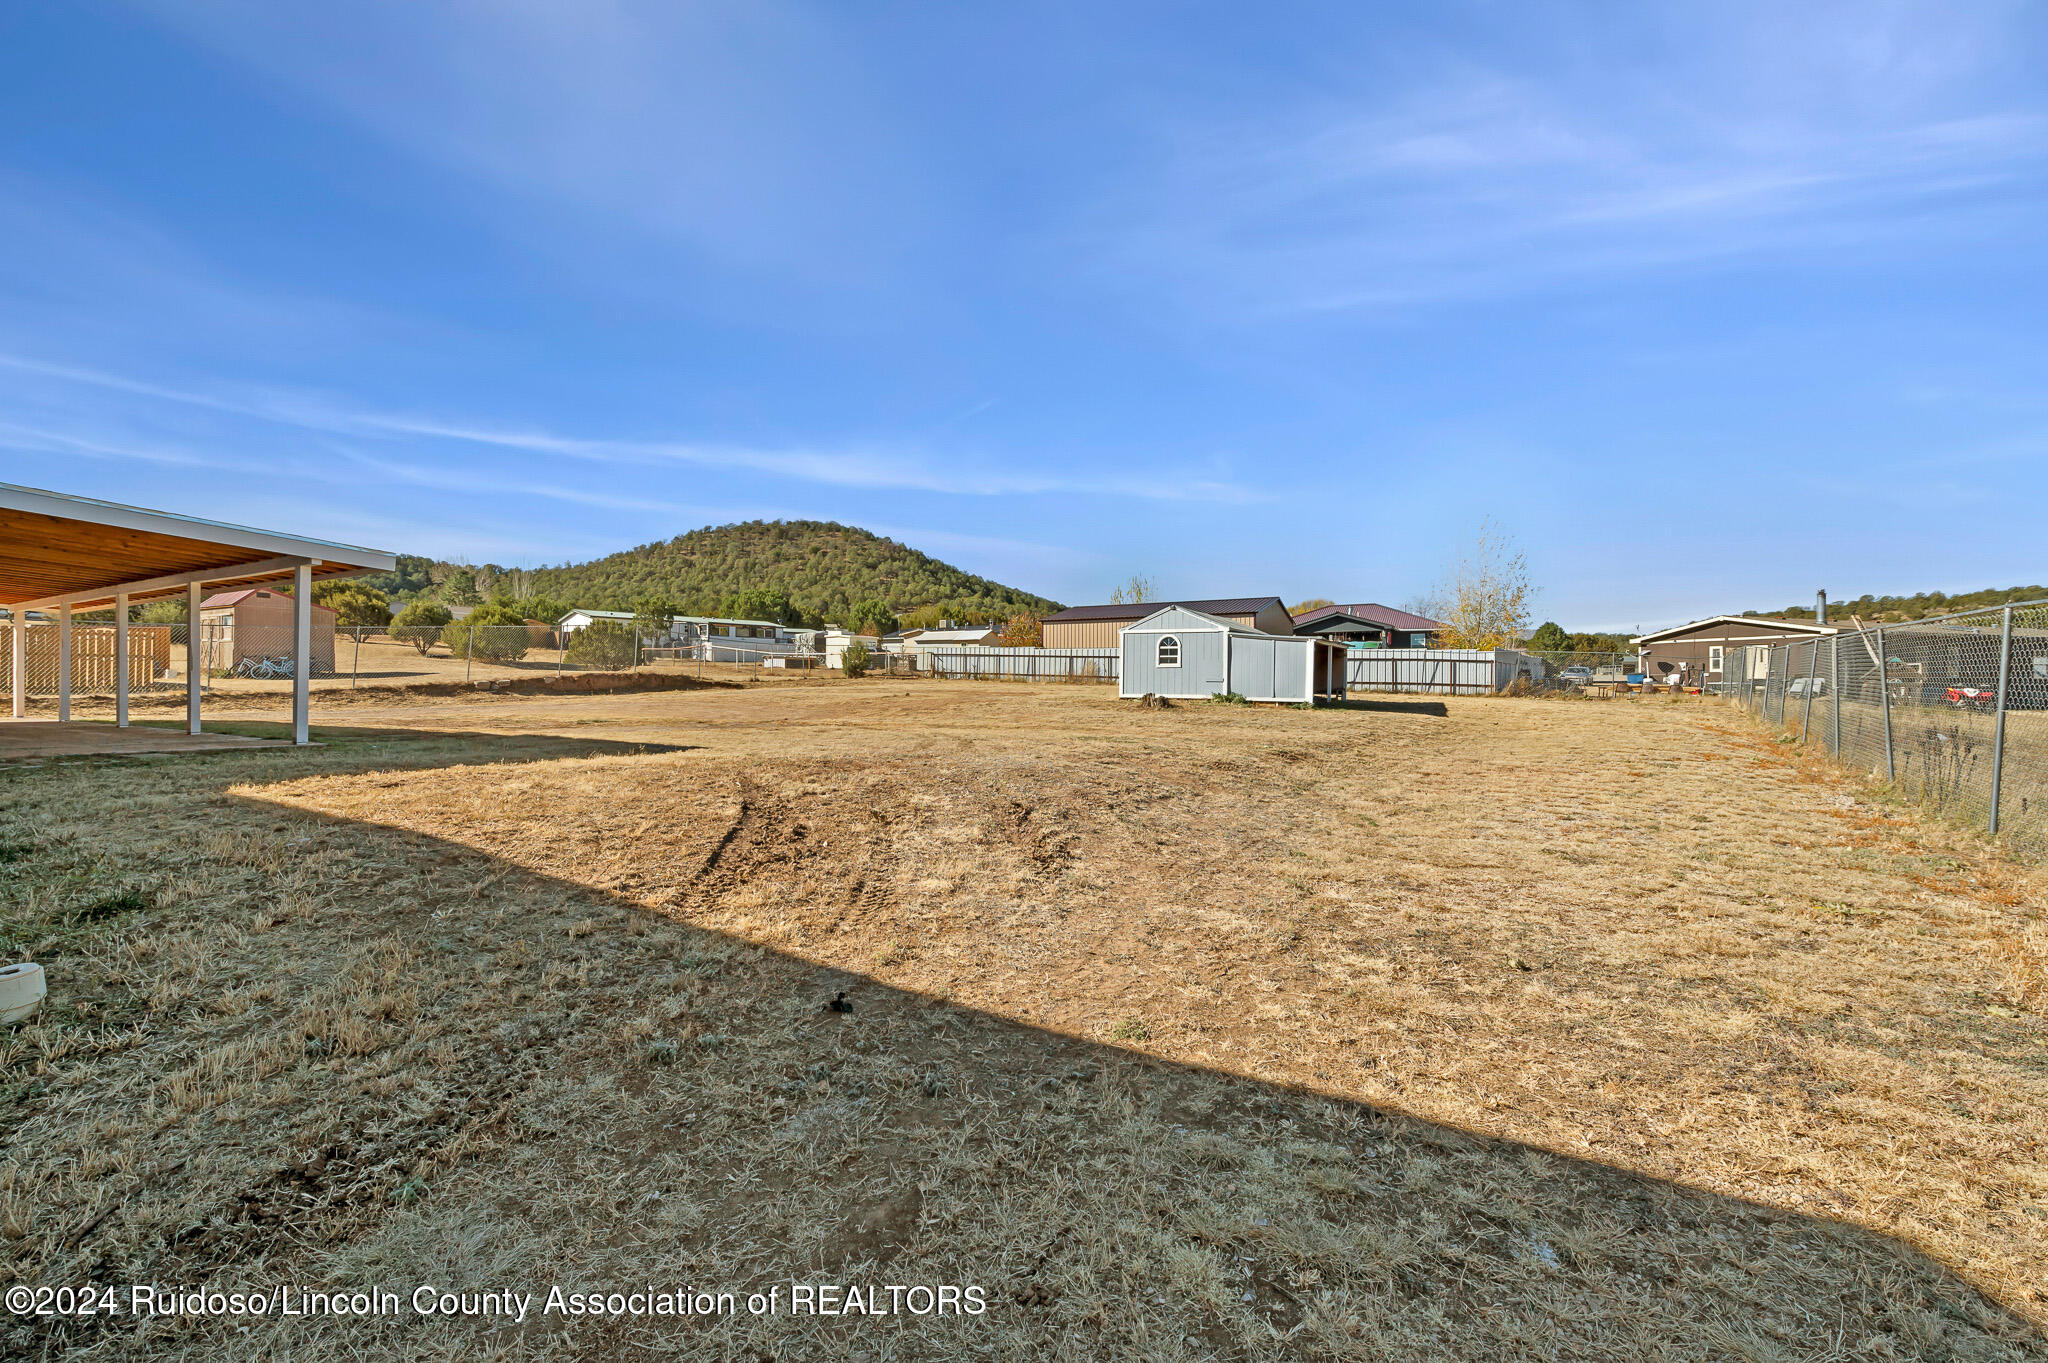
[(568, 684), (1524, 1030)]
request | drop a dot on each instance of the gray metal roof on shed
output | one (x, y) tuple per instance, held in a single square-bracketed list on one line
[(1138, 610), (1208, 621)]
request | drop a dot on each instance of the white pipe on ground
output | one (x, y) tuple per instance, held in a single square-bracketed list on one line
[(22, 991)]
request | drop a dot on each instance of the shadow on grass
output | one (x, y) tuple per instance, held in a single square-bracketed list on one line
[(362, 747), (1095, 1193), (1436, 709)]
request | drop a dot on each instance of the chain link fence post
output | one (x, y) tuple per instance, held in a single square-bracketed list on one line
[(1998, 725), (1884, 693), (1812, 670), (468, 652), (1835, 695)]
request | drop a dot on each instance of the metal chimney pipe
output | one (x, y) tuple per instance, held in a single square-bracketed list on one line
[(1820, 607)]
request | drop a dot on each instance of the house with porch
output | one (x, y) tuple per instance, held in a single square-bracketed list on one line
[(1370, 625)]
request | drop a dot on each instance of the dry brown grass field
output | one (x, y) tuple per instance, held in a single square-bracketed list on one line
[(1477, 1029)]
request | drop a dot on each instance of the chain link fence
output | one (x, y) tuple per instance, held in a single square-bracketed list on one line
[(1952, 711), (1566, 669), (242, 658)]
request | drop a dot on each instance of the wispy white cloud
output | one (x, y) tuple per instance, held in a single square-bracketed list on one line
[(35, 439), (871, 469), (749, 132), (1450, 181)]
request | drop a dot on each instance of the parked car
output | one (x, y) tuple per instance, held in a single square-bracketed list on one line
[(1575, 676)]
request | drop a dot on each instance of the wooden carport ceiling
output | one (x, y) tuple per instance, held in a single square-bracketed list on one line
[(53, 546)]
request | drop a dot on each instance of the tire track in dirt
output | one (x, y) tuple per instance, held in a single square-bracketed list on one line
[(1043, 836), (830, 856)]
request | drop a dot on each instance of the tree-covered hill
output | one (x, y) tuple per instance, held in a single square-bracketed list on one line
[(1889, 608), (823, 568)]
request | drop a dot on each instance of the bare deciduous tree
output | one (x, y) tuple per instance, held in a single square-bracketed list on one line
[(1139, 589), (1485, 597)]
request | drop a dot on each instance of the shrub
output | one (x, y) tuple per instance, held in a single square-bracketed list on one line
[(1021, 631), (654, 616), (854, 661), (604, 644), (495, 632), (871, 617), (353, 603), (420, 624)]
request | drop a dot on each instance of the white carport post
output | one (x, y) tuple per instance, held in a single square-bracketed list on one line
[(120, 660), (18, 671), (302, 651), (64, 663), (192, 659)]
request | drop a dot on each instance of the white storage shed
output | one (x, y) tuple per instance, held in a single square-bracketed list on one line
[(1185, 654)]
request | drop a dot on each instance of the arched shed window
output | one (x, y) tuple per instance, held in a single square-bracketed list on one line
[(1169, 651)]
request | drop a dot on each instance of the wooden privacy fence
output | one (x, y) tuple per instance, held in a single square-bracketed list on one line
[(92, 658), (1025, 664)]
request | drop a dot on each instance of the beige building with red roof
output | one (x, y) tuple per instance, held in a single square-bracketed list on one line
[(255, 624)]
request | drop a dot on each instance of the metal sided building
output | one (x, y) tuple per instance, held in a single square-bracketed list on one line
[(1099, 626), (1186, 654)]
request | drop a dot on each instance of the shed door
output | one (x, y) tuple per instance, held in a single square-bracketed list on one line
[(1759, 661), (1290, 670), (1252, 667)]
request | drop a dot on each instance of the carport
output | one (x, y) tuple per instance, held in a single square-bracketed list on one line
[(60, 554)]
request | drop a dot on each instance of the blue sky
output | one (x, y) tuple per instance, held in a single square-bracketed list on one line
[(1710, 305)]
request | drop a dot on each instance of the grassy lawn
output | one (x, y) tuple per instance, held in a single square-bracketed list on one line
[(1482, 1029)]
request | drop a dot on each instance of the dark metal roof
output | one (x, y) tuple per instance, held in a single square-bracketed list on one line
[(1372, 613), (1237, 605), (1745, 621)]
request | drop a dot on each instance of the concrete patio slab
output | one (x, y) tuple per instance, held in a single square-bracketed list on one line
[(26, 740)]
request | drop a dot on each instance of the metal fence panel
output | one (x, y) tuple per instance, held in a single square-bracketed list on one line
[(1025, 664), (1428, 671)]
